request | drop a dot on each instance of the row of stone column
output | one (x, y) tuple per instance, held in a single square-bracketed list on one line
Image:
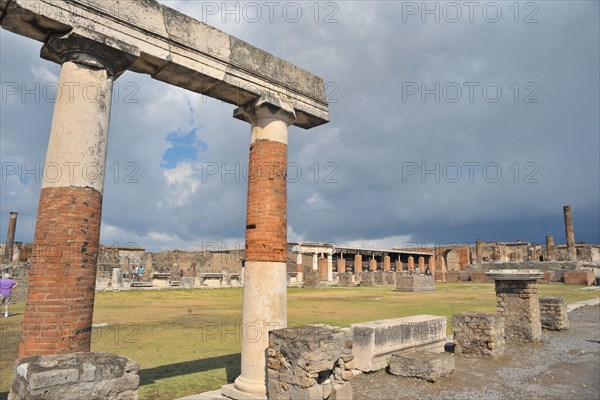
[(60, 299), (324, 265)]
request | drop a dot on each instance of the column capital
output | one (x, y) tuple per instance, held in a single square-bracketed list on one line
[(265, 106), (90, 49)]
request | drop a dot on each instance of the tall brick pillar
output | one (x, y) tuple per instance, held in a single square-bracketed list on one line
[(386, 263), (432, 264), (10, 237), (341, 265), (422, 264), (62, 276), (570, 233), (411, 263), (398, 265), (265, 290), (323, 268), (550, 249), (357, 264), (373, 264)]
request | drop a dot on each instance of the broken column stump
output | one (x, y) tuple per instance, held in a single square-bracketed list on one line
[(478, 334), (553, 311)]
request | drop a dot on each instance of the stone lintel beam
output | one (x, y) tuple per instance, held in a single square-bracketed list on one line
[(176, 49)]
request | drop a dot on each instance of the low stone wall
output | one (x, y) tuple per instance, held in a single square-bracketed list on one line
[(389, 278), (345, 280), (75, 376), (375, 341), (424, 365), (453, 276), (312, 279), (478, 334), (378, 278), (367, 278), (579, 278), (553, 312), (310, 362), (415, 283)]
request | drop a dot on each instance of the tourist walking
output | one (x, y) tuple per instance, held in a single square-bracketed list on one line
[(6, 287)]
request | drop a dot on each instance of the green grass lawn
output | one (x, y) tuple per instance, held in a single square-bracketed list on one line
[(188, 341)]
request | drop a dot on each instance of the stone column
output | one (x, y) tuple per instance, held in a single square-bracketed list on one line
[(299, 269), (373, 264), (518, 303), (357, 264), (10, 237), (570, 233), (479, 250), (422, 264), (62, 276), (550, 249), (315, 264), (264, 305), (341, 265), (411, 263), (329, 267), (323, 268), (386, 263)]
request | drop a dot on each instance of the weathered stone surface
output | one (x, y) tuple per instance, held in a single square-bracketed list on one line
[(309, 362), (75, 376), (478, 334), (553, 312), (424, 365), (414, 283), (312, 279), (375, 341), (518, 303), (177, 49), (367, 278), (579, 278), (345, 279)]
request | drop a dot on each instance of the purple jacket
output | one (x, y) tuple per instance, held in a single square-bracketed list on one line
[(6, 286)]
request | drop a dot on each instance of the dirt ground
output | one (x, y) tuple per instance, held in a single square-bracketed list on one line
[(564, 366)]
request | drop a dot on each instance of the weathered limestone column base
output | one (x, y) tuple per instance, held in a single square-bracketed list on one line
[(75, 376), (425, 365), (261, 314), (518, 303)]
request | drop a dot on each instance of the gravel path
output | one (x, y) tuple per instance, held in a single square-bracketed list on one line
[(564, 366)]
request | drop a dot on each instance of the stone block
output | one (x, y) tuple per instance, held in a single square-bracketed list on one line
[(424, 365), (478, 334), (74, 376), (367, 278), (415, 283), (345, 280), (480, 277), (374, 342), (553, 312), (311, 279)]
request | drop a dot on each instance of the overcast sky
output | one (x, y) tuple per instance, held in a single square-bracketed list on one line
[(451, 123)]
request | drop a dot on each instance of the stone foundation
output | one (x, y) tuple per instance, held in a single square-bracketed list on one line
[(553, 311), (518, 303), (375, 341), (389, 278), (478, 334), (310, 362), (415, 283), (75, 376), (345, 280), (424, 365), (367, 278), (312, 279)]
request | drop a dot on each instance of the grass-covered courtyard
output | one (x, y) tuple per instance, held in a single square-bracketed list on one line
[(188, 341)]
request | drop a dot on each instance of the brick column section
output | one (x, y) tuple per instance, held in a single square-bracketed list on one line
[(411, 263), (341, 265), (422, 264), (518, 303), (373, 264), (550, 249), (10, 237), (62, 276), (357, 264), (323, 268), (386, 263), (399, 265), (570, 233), (432, 264), (265, 290)]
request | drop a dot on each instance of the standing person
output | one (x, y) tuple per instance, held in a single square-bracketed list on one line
[(141, 272), (6, 287)]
